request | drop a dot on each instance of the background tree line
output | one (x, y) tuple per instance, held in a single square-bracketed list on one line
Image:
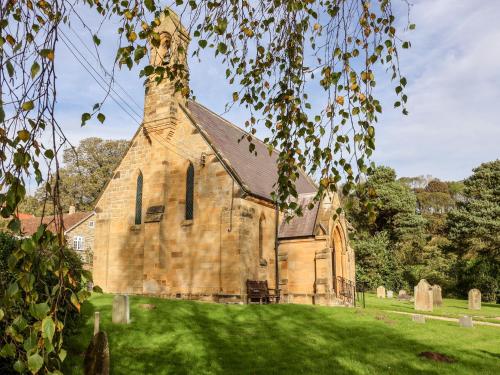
[(86, 170), (418, 227)]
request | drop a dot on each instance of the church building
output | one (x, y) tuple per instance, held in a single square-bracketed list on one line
[(188, 212)]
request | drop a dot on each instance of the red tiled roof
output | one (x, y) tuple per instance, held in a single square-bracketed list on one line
[(258, 172), (300, 226), (30, 225), (22, 215)]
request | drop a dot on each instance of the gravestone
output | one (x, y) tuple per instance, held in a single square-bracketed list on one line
[(418, 318), (390, 294), (465, 321), (474, 299), (423, 296), (96, 361), (121, 309), (96, 322), (403, 295), (381, 292), (437, 298)]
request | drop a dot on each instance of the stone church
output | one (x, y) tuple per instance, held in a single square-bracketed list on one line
[(188, 212)]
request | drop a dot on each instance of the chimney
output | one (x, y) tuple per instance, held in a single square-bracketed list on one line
[(72, 210)]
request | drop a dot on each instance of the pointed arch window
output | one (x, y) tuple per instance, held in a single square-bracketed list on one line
[(189, 192), (261, 237), (138, 200)]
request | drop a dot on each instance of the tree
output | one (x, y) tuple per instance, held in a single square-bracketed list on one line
[(390, 233), (266, 47), (87, 168), (474, 230)]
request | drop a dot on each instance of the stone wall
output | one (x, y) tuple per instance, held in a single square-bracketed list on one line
[(86, 231)]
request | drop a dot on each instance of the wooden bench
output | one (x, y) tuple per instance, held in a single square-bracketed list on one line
[(259, 292)]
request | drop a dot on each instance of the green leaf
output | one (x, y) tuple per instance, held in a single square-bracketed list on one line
[(412, 26), (49, 154), (202, 43), (2, 112), (35, 363), (150, 5), (62, 355), (96, 40), (39, 310), (19, 366), (101, 117), (48, 328), (10, 68), (2, 314), (85, 117), (35, 68), (8, 350), (23, 135), (28, 106), (222, 48), (47, 53)]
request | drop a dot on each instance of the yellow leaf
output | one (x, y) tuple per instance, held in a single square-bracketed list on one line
[(340, 100), (132, 37), (23, 135)]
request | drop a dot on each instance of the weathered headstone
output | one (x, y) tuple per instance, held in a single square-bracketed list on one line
[(437, 298), (390, 294), (381, 292), (423, 296), (402, 295), (121, 309), (96, 322), (474, 299), (465, 321), (418, 318), (96, 361)]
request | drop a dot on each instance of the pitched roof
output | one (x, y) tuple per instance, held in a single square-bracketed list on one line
[(257, 171), (30, 225), (300, 226)]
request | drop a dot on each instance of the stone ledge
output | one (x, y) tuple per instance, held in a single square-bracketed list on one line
[(186, 223)]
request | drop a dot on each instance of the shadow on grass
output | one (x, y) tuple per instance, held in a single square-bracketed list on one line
[(181, 337)]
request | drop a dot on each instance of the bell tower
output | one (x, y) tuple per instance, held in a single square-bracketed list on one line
[(164, 91)]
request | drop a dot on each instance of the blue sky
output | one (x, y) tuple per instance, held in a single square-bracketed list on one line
[(453, 70)]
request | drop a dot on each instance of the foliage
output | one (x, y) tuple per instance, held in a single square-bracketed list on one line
[(41, 288), (474, 229), (205, 338), (275, 52), (86, 170)]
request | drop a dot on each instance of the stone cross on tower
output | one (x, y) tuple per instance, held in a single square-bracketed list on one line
[(162, 98)]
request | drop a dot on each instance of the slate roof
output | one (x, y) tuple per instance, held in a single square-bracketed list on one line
[(300, 226), (30, 225), (256, 172)]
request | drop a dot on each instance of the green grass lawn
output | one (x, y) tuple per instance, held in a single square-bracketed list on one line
[(184, 337), (452, 308)]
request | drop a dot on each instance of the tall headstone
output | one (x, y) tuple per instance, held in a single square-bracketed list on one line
[(121, 309), (381, 292), (97, 318), (437, 297), (474, 299), (390, 294), (423, 296)]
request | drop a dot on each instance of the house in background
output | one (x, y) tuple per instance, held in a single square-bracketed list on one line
[(79, 230), (189, 214)]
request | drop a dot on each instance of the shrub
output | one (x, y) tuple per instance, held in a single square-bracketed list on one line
[(41, 288)]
